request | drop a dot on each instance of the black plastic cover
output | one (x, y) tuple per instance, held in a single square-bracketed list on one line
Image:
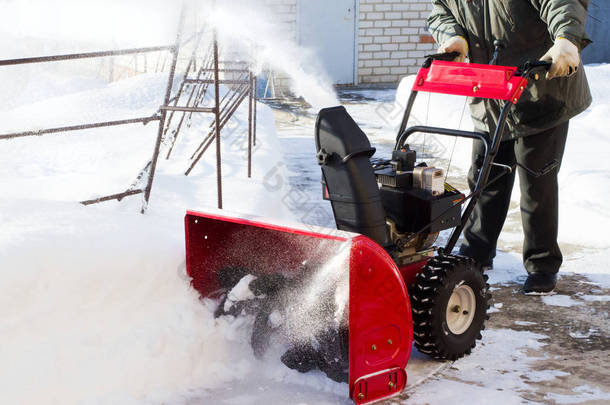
[(412, 209), (343, 153)]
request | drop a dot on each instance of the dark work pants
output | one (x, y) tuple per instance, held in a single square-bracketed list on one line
[(539, 201)]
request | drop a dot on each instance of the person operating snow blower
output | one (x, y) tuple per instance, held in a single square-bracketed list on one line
[(508, 32)]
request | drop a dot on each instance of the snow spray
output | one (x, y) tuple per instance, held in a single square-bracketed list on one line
[(244, 27), (322, 301)]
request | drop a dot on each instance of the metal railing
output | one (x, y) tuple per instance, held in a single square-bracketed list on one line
[(207, 74)]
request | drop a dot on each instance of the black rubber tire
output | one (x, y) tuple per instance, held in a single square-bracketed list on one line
[(430, 297)]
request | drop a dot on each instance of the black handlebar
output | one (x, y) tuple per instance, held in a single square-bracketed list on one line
[(447, 57), (528, 67)]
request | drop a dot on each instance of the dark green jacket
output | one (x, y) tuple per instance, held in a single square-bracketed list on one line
[(527, 28)]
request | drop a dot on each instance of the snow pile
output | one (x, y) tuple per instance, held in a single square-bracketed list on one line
[(95, 306)]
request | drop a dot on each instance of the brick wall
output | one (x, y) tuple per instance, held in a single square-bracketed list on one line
[(284, 14), (392, 39)]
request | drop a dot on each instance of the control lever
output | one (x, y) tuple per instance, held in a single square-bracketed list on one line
[(529, 67), (498, 45)]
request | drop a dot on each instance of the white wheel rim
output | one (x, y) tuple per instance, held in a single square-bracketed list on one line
[(461, 308)]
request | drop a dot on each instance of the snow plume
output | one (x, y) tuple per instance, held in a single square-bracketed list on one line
[(318, 302), (311, 301), (247, 26), (327, 292)]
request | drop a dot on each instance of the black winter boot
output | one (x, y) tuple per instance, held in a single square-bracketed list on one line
[(539, 283)]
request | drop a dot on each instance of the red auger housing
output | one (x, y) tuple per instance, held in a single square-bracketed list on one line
[(402, 289)]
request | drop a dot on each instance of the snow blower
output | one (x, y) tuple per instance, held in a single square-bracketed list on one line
[(392, 288)]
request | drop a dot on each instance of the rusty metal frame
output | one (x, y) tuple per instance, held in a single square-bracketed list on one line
[(223, 108), (208, 73)]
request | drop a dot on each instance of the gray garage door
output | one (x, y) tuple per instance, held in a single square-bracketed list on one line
[(328, 28)]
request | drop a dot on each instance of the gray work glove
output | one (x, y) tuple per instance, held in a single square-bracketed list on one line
[(565, 58), (455, 44)]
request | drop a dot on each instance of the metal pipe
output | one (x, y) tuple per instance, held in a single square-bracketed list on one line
[(209, 81), (225, 97), (118, 196), (255, 108), (85, 55), (224, 120), (228, 70), (250, 119), (407, 114), (179, 127), (139, 177), (210, 138), (168, 92), (226, 112), (192, 62), (144, 120), (233, 62), (217, 114), (188, 109), (440, 131), (176, 98), (203, 89)]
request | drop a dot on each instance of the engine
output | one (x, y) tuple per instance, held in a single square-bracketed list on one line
[(396, 202), (418, 203)]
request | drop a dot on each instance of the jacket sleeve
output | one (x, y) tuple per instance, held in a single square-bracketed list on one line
[(442, 24), (565, 18)]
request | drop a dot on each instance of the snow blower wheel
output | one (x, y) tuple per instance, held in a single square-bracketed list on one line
[(449, 303)]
